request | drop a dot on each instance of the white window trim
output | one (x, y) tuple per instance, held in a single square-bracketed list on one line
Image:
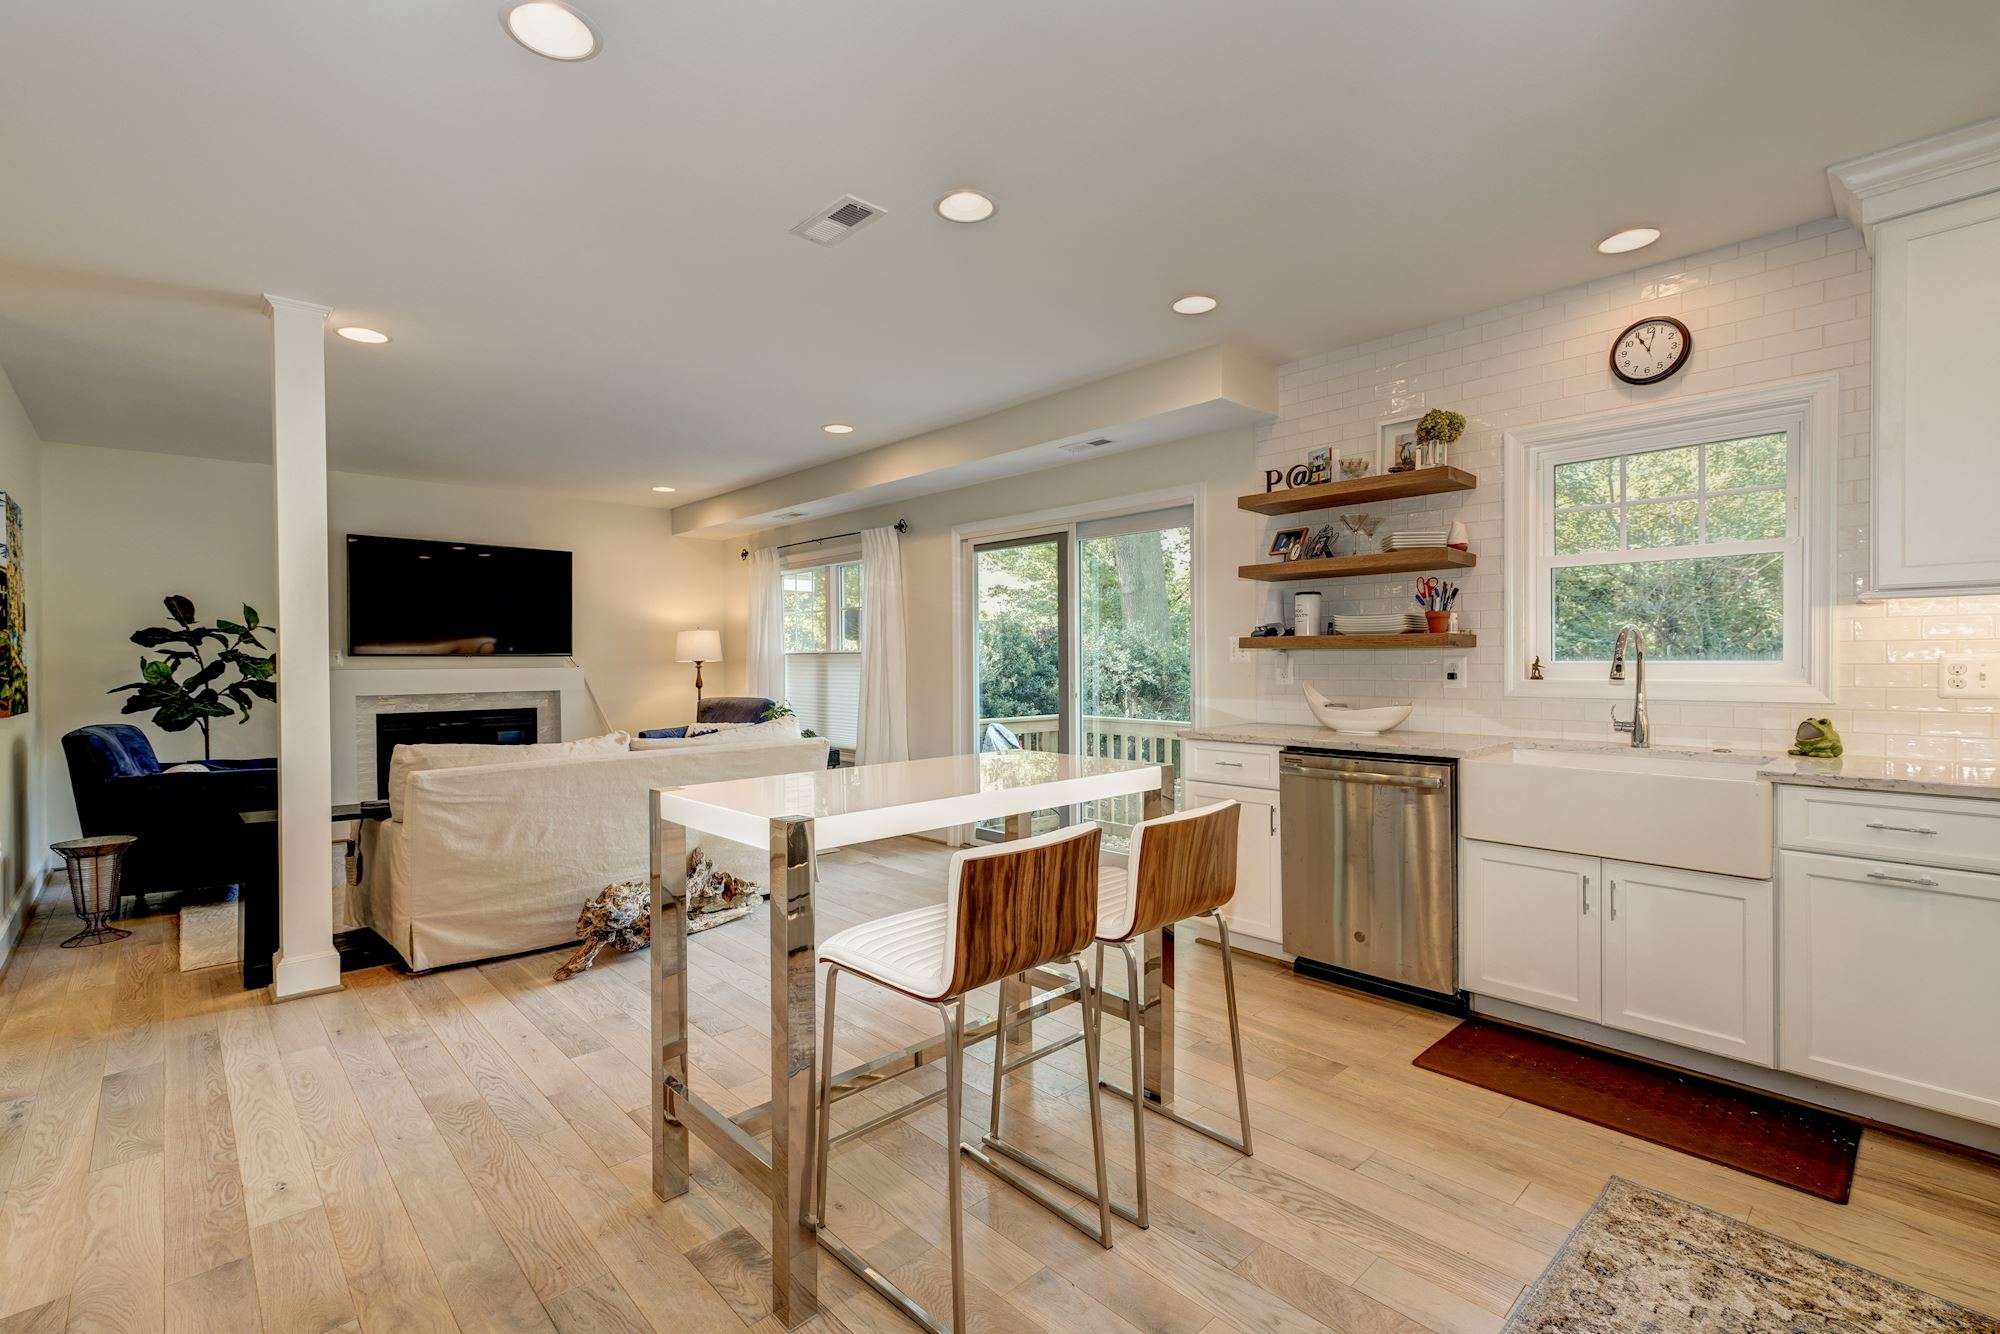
[(1807, 409)]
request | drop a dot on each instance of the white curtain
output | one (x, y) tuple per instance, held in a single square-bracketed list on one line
[(767, 627), (885, 695)]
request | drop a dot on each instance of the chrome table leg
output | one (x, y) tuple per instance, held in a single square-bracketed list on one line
[(670, 1006), (794, 1245)]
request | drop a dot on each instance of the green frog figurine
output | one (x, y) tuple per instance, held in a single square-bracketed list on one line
[(1817, 739)]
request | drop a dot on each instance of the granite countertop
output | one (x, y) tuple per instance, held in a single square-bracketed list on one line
[(1430, 745), (1911, 777), (1931, 778)]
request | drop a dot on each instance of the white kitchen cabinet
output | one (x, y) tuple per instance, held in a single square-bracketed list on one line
[(1936, 399), (1530, 927), (1888, 980), (1688, 959), (1256, 911)]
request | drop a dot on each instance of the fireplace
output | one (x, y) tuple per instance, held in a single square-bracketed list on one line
[(485, 727)]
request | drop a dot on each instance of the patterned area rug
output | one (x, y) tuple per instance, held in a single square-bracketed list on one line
[(1644, 1261)]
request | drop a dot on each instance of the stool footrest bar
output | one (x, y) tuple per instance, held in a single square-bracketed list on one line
[(1054, 1204), (879, 1281)]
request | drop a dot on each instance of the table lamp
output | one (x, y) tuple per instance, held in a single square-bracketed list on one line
[(697, 647)]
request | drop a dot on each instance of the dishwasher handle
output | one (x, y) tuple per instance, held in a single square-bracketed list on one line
[(1361, 778)]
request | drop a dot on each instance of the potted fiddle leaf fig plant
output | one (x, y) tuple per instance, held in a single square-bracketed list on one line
[(212, 652)]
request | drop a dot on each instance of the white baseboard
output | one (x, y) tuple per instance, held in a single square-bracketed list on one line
[(307, 975), (24, 907)]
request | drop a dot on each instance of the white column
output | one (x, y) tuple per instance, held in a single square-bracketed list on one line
[(306, 960)]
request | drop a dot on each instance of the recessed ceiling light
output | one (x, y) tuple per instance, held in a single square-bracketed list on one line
[(1195, 304), (837, 428), (1632, 238), (354, 333), (550, 28), (965, 206), (663, 489)]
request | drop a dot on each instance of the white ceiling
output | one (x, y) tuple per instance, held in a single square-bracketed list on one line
[(586, 267)]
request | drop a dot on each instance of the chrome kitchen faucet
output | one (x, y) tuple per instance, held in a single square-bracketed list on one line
[(1640, 728)]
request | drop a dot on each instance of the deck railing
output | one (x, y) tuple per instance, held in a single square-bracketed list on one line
[(1148, 740)]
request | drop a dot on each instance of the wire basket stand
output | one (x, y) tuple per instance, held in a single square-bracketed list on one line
[(95, 866)]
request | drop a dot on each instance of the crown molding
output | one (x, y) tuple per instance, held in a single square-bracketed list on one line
[(276, 303), (1912, 177)]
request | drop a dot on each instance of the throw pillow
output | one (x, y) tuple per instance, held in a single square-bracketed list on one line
[(662, 733)]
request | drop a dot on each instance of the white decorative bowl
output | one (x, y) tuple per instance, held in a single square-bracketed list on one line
[(1359, 722)]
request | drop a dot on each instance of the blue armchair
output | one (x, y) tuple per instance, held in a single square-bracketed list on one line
[(189, 836)]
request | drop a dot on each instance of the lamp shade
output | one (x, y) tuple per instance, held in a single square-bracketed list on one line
[(698, 646)]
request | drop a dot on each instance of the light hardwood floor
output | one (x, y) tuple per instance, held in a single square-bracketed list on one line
[(468, 1150)]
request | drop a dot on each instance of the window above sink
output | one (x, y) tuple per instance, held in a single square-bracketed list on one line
[(1705, 520)]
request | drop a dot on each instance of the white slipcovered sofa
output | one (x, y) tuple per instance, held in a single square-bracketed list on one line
[(492, 850)]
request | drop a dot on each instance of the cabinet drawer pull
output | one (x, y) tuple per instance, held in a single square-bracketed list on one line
[(1227, 764), (1586, 896), (1901, 828), (1614, 900), (1885, 877)]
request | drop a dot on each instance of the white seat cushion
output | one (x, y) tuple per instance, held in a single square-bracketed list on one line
[(1114, 908), (906, 951)]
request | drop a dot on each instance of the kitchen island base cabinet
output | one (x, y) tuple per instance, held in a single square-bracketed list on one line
[(1683, 956), (1255, 912), (1889, 980), (1688, 959), (1530, 927)]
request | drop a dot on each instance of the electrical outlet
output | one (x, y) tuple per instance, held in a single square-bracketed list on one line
[(1454, 669), (1287, 670), (1969, 678)]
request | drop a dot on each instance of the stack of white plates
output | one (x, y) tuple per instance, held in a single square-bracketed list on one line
[(1392, 623), (1415, 537)]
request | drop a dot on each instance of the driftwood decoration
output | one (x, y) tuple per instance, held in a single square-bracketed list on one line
[(620, 916)]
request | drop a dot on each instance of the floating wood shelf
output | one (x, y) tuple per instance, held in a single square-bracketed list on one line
[(1353, 642), (1409, 561), (1361, 491)]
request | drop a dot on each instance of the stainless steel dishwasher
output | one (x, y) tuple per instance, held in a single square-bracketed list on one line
[(1371, 872)]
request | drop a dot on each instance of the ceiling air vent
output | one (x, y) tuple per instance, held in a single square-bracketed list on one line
[(837, 221), (1086, 446)]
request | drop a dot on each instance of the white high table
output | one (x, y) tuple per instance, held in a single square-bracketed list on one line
[(797, 816)]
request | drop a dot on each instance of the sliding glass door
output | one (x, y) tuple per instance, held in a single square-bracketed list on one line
[(1081, 641)]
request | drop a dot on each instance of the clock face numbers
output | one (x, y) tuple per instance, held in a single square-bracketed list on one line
[(1650, 351)]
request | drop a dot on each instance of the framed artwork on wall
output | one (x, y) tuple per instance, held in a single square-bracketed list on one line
[(13, 613), (1397, 451)]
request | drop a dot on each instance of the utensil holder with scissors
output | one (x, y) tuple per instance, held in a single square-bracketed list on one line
[(1436, 597)]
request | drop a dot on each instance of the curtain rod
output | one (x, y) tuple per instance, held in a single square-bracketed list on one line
[(901, 526)]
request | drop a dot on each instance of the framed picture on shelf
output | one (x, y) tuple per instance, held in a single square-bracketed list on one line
[(1321, 546), (1319, 467), (1398, 448), (1287, 543)]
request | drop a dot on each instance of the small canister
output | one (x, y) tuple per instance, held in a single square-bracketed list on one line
[(1305, 613)]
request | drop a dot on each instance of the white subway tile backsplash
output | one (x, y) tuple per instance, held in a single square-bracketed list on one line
[(1795, 302)]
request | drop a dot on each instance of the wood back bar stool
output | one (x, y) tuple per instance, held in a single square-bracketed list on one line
[(1009, 908), (1180, 866), (1177, 867)]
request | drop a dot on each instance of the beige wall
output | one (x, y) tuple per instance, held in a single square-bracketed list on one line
[(23, 825), (1218, 467), (124, 529)]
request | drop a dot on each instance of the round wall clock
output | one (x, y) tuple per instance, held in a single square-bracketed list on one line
[(1651, 350)]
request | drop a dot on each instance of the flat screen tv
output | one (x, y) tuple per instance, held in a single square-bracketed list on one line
[(410, 598)]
